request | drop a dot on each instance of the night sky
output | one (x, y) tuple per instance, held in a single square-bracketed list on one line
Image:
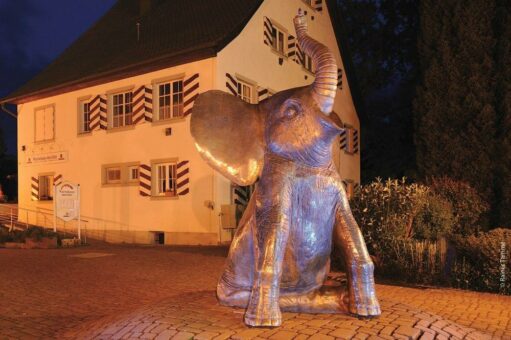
[(33, 33)]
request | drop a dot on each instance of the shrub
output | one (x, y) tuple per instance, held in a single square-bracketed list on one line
[(481, 260), (468, 206), (435, 220)]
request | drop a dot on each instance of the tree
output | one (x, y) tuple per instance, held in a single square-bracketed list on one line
[(455, 116), (382, 35), (503, 105)]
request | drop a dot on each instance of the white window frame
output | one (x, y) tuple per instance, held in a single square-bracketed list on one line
[(133, 169), (107, 180), (84, 117), (48, 132), (279, 39), (125, 116), (45, 187), (308, 64), (164, 179), (242, 86), (173, 101)]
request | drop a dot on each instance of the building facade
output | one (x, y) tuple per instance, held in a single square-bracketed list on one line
[(124, 135)]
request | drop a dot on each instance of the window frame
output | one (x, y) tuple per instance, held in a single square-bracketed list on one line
[(125, 178), (156, 179), (81, 114), (306, 61), (115, 181), (49, 187), (172, 93), (125, 105), (44, 108), (129, 169), (241, 84), (278, 30)]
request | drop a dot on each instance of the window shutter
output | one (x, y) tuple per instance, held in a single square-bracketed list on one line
[(57, 179), (262, 93), (148, 103), (242, 195), (355, 141), (291, 46), (339, 79), (299, 56), (144, 175), (318, 5), (139, 105), (190, 93), (231, 84), (268, 30), (94, 123), (103, 121), (342, 140), (183, 178), (34, 189), (49, 123)]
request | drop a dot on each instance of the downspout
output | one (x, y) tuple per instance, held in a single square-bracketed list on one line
[(10, 113)]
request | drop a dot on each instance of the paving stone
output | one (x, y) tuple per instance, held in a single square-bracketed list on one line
[(248, 334), (410, 332), (166, 334), (205, 336), (342, 333), (283, 335)]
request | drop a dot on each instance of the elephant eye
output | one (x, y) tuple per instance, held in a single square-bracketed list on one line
[(291, 109)]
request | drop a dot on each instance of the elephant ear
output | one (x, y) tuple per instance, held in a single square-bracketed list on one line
[(229, 135)]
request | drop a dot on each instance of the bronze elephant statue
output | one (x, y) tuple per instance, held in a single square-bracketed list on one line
[(280, 255)]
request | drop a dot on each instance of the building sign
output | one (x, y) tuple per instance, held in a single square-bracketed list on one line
[(67, 201), (52, 157)]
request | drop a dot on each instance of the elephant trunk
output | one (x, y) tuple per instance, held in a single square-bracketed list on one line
[(325, 85)]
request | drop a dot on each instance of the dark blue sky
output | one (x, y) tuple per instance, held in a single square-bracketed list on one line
[(33, 33)]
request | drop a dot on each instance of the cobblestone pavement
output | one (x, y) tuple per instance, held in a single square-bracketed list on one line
[(106, 291)]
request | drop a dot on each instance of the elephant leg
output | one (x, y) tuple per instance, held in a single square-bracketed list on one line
[(234, 286), (359, 266), (270, 238)]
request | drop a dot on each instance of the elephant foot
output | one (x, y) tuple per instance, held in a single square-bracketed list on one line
[(362, 294), (263, 309)]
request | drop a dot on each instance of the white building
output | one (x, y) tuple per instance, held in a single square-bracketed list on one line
[(112, 112)]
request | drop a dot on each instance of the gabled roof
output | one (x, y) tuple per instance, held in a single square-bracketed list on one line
[(172, 32)]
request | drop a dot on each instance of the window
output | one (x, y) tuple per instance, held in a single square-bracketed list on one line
[(245, 91), (133, 173), (46, 188), (122, 109), (165, 179), (308, 64), (44, 124), (278, 40), (113, 175), (84, 117), (170, 100), (308, 2)]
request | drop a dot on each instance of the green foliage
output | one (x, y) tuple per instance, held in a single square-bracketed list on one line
[(20, 236), (468, 207), (455, 118), (435, 220), (481, 260), (387, 210)]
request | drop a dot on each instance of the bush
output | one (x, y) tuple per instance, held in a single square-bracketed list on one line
[(468, 207), (435, 220), (481, 260)]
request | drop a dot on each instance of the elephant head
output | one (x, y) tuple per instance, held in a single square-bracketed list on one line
[(295, 124)]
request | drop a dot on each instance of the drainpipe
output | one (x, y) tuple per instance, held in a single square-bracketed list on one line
[(10, 113)]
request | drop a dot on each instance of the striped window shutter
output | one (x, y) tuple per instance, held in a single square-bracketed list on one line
[(144, 177), (339, 78), (349, 187), (57, 179), (355, 141), (262, 93), (318, 5), (299, 56), (242, 195), (191, 91), (268, 31), (183, 178), (148, 103), (98, 119), (343, 141), (139, 105), (34, 189), (291, 46), (231, 84)]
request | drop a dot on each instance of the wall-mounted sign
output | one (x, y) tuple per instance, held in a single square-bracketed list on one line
[(51, 157), (67, 201)]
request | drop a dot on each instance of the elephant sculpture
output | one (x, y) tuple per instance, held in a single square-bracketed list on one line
[(280, 255)]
